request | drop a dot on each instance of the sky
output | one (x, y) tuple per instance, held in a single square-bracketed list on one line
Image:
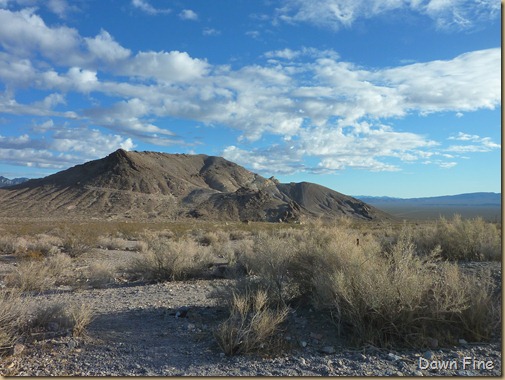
[(396, 98)]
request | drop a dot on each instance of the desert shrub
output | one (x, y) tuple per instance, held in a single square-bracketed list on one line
[(468, 239), (62, 317), (167, 260), (458, 238), (400, 297), (78, 240), (97, 275), (10, 244), (40, 275), (270, 260), (13, 316), (252, 324), (112, 243), (216, 237), (238, 235)]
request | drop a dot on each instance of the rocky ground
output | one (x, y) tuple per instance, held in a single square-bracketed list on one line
[(138, 331)]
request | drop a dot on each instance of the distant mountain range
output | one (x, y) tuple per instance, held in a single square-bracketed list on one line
[(468, 199), (10, 182)]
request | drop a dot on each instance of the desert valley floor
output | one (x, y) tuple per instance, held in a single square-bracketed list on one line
[(138, 329)]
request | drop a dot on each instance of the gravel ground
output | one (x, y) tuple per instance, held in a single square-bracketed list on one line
[(136, 332)]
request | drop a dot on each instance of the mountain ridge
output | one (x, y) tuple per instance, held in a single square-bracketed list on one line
[(476, 198), (133, 184)]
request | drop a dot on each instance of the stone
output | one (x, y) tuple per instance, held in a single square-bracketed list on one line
[(18, 348), (72, 344), (428, 355), (418, 373), (303, 343), (462, 341), (328, 350), (53, 326), (393, 357)]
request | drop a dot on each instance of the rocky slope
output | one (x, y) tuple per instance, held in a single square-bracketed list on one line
[(158, 185)]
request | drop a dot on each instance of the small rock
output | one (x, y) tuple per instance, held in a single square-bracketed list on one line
[(191, 326), (428, 355), (72, 344), (393, 357), (53, 326), (302, 361), (398, 373), (418, 373), (18, 348), (303, 343), (328, 350), (182, 312), (462, 341)]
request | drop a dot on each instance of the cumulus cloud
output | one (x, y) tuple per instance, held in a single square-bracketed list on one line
[(337, 14), (188, 14), (336, 116)]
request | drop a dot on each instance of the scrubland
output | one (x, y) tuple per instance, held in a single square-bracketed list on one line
[(381, 284)]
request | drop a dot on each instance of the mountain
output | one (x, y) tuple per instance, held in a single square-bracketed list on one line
[(470, 205), (4, 182), (468, 199), (159, 185)]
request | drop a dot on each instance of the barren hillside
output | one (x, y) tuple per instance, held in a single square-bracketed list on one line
[(159, 185)]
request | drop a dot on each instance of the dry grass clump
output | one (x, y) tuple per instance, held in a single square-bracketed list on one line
[(40, 275), (112, 243), (11, 244), (213, 238), (271, 258), (400, 297), (468, 239), (97, 275), (252, 324), (62, 317), (77, 240), (459, 239), (13, 316), (376, 295), (167, 260)]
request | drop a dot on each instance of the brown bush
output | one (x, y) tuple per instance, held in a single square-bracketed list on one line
[(251, 325), (167, 260)]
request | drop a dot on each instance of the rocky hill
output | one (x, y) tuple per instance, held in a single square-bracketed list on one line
[(158, 185)]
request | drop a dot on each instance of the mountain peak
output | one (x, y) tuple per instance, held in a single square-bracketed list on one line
[(152, 184)]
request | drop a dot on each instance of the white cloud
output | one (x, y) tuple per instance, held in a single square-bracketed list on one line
[(188, 14), (103, 48), (146, 7), (173, 66), (321, 117), (211, 32), (336, 14), (24, 33), (60, 7)]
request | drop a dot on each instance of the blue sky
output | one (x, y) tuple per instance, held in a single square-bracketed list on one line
[(368, 97)]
